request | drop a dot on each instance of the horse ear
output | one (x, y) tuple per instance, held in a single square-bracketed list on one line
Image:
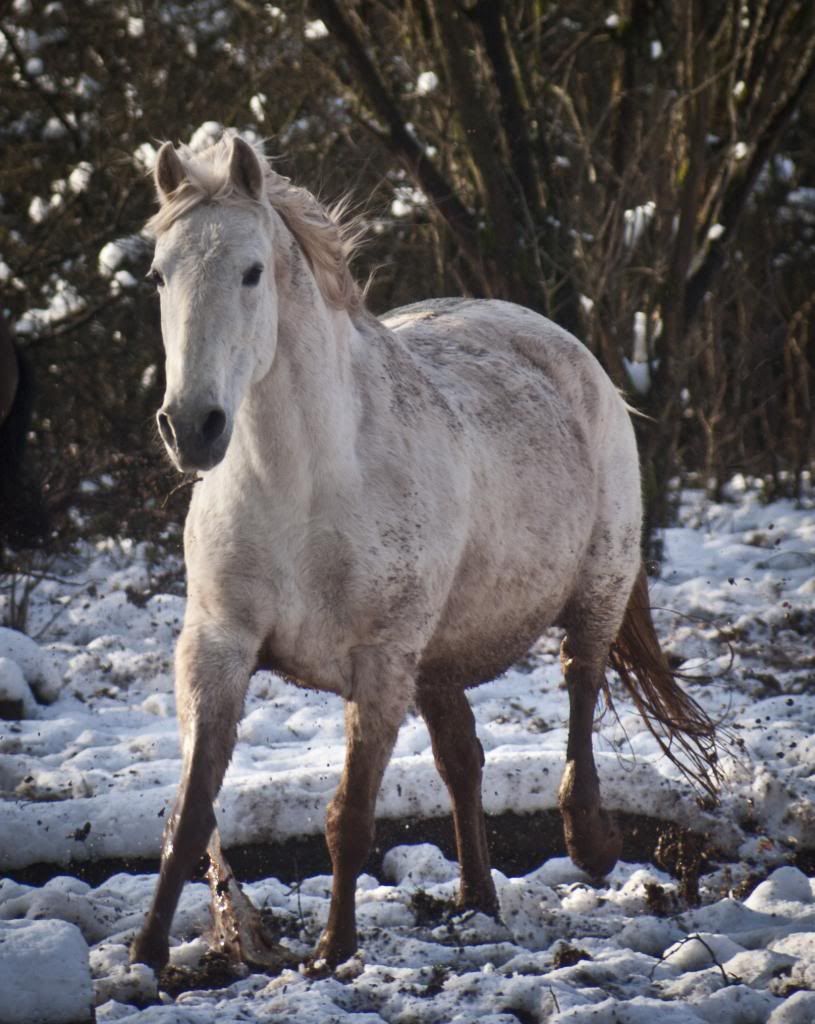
[(169, 172), (245, 171)]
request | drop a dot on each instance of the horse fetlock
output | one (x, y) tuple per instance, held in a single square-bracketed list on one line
[(480, 896), (150, 947), (593, 840), (336, 945)]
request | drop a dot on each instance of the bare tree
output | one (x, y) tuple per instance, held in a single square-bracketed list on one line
[(596, 168)]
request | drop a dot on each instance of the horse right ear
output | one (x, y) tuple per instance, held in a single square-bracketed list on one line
[(169, 172)]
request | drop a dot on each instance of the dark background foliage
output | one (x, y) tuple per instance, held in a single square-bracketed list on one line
[(644, 169)]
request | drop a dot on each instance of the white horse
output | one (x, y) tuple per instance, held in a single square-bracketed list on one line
[(389, 510)]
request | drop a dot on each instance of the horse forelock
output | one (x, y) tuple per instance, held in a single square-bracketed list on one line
[(327, 236)]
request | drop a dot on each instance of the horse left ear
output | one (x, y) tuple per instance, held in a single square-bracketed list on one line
[(245, 171)]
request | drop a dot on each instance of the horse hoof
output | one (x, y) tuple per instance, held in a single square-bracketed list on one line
[(332, 950), (153, 952), (316, 967), (483, 899), (593, 840)]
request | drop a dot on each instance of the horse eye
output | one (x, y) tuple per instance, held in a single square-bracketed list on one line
[(252, 275), (155, 277)]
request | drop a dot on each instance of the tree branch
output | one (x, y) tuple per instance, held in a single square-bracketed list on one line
[(489, 17), (741, 185), (400, 140), (36, 88)]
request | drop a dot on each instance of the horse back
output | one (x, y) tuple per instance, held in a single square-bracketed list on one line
[(498, 363)]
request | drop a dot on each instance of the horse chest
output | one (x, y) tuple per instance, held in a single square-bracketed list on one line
[(305, 602)]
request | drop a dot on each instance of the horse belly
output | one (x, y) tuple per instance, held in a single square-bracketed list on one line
[(496, 610)]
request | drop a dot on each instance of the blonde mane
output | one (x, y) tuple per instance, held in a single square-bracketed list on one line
[(326, 237)]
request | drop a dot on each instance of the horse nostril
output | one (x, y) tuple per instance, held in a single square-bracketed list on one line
[(165, 428), (213, 426)]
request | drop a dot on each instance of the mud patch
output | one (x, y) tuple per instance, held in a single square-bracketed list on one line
[(519, 843), (215, 971)]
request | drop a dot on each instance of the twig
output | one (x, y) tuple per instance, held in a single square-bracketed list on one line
[(697, 938)]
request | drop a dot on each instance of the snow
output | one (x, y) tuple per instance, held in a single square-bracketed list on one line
[(636, 220), (315, 29), (110, 258), (14, 691), (63, 303), (257, 106), (38, 209), (426, 83), (639, 373), (406, 200), (206, 135), (89, 772), (80, 176), (144, 156), (45, 976)]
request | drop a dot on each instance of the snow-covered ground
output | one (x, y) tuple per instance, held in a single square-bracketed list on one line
[(90, 769)]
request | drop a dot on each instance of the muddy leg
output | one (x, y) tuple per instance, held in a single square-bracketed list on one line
[(381, 693), (238, 928), (459, 758), (592, 838), (212, 674)]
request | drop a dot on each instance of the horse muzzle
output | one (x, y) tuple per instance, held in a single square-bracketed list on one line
[(196, 439)]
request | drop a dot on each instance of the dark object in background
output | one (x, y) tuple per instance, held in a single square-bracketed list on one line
[(23, 519)]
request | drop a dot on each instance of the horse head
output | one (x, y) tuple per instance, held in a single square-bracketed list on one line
[(214, 269)]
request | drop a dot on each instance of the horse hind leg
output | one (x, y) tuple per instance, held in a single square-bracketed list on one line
[(592, 838), (459, 759), (212, 675)]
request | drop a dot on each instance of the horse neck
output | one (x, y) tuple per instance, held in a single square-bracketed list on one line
[(303, 413)]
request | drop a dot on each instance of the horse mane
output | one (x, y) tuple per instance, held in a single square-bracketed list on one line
[(326, 235)]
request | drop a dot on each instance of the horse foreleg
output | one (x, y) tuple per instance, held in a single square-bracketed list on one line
[(238, 927), (592, 838), (381, 693), (459, 759), (211, 680)]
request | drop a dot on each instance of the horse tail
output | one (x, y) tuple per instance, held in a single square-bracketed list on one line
[(680, 726)]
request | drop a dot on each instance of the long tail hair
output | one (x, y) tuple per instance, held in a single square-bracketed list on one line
[(681, 727)]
